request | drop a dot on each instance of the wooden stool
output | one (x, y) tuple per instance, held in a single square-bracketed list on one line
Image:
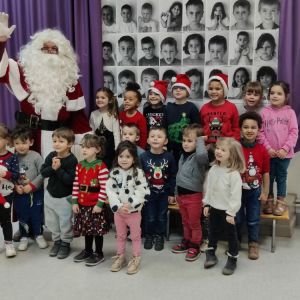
[(171, 207)]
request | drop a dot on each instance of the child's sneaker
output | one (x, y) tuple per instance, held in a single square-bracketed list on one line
[(82, 256), (148, 244), (94, 259), (159, 243), (23, 244), (10, 250), (134, 265), (64, 250), (181, 247), (204, 246), (41, 242), (119, 263), (192, 254)]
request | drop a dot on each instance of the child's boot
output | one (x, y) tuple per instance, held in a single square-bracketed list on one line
[(230, 266), (134, 265), (268, 206), (280, 207), (211, 258), (253, 251), (159, 243), (64, 250), (119, 263), (55, 248), (193, 252), (148, 244)]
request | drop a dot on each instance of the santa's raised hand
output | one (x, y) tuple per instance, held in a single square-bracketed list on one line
[(5, 31)]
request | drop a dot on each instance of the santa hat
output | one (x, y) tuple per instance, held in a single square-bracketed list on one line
[(182, 80), (223, 78), (159, 87), (4, 202)]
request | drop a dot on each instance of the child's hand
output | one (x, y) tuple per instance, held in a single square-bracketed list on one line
[(164, 17), (281, 153), (172, 200), (27, 189), (75, 208), (206, 211), (263, 196), (19, 189), (230, 220), (123, 210), (272, 153), (55, 163), (96, 210)]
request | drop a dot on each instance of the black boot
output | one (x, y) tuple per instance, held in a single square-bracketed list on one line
[(55, 248), (148, 244), (64, 250), (159, 243), (230, 266), (211, 259)]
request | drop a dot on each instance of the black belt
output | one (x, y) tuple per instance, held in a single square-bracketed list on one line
[(89, 189), (35, 122)]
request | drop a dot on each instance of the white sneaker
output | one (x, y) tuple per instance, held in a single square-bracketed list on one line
[(23, 245), (41, 242), (10, 250)]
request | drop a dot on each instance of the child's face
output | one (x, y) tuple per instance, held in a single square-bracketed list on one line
[(240, 78), (102, 100), (106, 52), (22, 146), (252, 99), (189, 141), (175, 11), (126, 15), (242, 41), (179, 93), (157, 139), (168, 53), (194, 48), (125, 160), (277, 96), (130, 134), (194, 14), (249, 130), (107, 16), (222, 153), (266, 51), (146, 15), (131, 101), (123, 82), (215, 91), (268, 13), (61, 145), (146, 80), (241, 14), (109, 82), (265, 81), (148, 50), (217, 53), (89, 153), (126, 50), (154, 98), (195, 86)]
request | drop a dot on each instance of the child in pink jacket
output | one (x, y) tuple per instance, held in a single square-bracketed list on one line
[(279, 135)]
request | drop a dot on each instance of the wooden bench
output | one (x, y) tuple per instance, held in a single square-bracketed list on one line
[(285, 216)]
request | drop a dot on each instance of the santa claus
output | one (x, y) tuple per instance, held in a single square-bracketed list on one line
[(45, 81)]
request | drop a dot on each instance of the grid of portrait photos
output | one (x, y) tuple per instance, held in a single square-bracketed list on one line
[(146, 40)]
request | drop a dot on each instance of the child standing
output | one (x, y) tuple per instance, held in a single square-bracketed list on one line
[(189, 184), (131, 133), (132, 100), (9, 174), (256, 180), (223, 200), (104, 122), (172, 20), (160, 170), (60, 167), (29, 198), (279, 134), (155, 110), (180, 114), (88, 198), (126, 189)]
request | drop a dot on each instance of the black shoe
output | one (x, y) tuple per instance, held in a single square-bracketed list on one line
[(55, 248), (82, 256), (230, 266), (64, 250), (94, 259), (159, 243), (148, 244), (211, 259)]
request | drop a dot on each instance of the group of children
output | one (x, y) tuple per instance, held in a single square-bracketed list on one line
[(138, 164)]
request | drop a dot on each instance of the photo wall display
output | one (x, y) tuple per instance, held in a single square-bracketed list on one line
[(146, 40)]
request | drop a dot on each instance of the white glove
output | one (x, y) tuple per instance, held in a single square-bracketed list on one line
[(5, 31)]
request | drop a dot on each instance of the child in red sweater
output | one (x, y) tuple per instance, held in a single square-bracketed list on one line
[(88, 198), (132, 100)]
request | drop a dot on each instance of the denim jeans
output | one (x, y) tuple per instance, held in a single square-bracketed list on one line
[(249, 212), (155, 213), (278, 173)]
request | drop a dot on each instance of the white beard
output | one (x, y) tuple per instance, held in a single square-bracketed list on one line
[(49, 77)]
